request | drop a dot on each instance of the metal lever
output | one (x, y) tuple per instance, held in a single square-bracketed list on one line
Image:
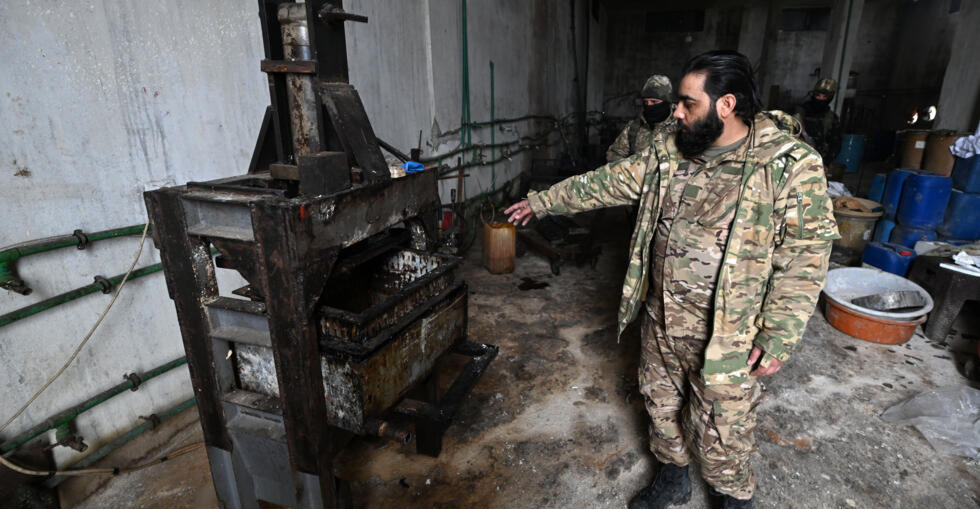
[(334, 14)]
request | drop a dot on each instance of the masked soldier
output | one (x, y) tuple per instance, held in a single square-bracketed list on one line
[(727, 259), (821, 126), (655, 117)]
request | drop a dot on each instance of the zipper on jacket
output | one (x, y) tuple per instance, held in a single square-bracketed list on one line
[(799, 213)]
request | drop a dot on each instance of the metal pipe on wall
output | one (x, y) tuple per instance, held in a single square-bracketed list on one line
[(9, 280), (152, 421), (133, 381), (101, 284)]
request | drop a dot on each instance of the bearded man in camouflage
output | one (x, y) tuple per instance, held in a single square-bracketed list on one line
[(654, 118), (729, 254)]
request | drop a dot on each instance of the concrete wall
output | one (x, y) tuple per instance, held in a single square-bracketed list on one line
[(900, 53), (791, 65), (417, 78), (633, 54), (105, 99), (959, 100), (99, 101)]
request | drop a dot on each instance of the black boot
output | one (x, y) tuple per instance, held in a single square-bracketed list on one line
[(728, 502), (671, 486)]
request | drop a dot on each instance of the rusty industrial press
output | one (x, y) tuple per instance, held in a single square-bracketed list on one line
[(347, 308)]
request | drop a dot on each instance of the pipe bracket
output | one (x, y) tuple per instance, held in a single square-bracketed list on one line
[(153, 419), (134, 379), (104, 283), (83, 241)]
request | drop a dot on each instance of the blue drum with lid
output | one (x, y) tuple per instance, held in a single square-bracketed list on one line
[(883, 231), (924, 200), (893, 190), (962, 216), (966, 174), (851, 151)]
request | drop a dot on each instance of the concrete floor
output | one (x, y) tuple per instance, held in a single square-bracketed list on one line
[(557, 421)]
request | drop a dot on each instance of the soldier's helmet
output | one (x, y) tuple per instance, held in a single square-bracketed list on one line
[(657, 87), (826, 86)]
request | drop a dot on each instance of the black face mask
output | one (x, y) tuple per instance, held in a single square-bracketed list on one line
[(695, 140), (817, 105), (656, 113)]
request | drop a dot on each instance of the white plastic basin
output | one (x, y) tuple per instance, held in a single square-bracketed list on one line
[(849, 283)]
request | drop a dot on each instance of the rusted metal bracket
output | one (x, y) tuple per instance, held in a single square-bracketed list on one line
[(433, 417), (290, 66)]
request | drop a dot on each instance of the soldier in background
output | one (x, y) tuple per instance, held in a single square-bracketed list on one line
[(821, 126), (654, 118), (727, 259)]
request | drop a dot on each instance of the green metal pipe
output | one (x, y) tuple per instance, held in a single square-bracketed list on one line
[(493, 137), (503, 121), (57, 300), (51, 243), (63, 418), (464, 119), (843, 55), (479, 146), (121, 440), (8, 256)]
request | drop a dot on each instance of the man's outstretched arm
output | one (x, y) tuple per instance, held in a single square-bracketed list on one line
[(618, 183)]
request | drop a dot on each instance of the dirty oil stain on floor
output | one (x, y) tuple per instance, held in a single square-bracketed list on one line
[(531, 284)]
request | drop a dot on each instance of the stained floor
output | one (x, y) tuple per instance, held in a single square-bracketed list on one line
[(557, 421)]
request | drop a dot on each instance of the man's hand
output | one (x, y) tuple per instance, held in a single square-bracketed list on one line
[(773, 366), (518, 211)]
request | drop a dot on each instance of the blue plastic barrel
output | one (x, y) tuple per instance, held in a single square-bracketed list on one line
[(893, 190), (888, 257), (924, 200), (962, 216), (966, 174), (851, 150), (883, 231), (909, 236), (877, 187)]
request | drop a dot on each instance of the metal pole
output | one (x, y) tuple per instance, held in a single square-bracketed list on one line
[(299, 87)]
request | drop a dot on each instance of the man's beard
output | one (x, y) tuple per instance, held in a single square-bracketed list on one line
[(693, 141)]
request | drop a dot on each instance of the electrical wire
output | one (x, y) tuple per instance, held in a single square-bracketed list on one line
[(101, 471), (88, 336)]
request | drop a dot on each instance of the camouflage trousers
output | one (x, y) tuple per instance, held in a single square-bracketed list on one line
[(713, 424)]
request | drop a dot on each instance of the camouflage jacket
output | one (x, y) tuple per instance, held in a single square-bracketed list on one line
[(636, 137), (776, 258)]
